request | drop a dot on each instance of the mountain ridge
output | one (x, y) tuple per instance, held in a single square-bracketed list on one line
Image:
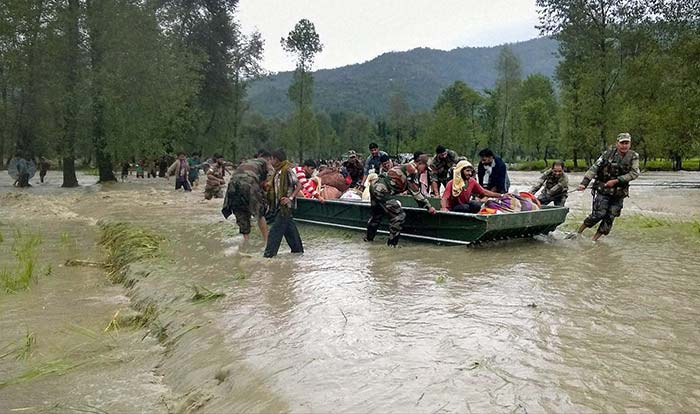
[(420, 73)]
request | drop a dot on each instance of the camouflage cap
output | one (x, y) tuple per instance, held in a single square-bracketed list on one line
[(352, 154), (624, 137)]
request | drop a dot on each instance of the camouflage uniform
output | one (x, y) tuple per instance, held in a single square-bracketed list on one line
[(441, 168), (396, 181), (245, 196), (555, 188), (213, 187), (608, 202)]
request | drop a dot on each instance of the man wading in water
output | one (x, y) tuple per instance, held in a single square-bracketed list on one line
[(282, 191), (396, 181), (613, 172)]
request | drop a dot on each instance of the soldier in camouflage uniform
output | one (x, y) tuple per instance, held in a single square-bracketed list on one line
[(397, 180), (612, 172), (215, 178), (441, 168), (556, 185), (245, 196)]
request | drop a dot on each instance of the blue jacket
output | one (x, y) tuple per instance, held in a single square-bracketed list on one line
[(498, 178)]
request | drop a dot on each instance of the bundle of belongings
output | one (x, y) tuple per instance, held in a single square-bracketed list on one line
[(511, 203), (332, 177)]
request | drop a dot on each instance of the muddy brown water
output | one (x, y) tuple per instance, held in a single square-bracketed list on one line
[(538, 325)]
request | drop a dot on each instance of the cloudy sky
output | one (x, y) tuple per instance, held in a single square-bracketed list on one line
[(354, 31)]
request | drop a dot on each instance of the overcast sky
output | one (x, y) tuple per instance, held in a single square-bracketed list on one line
[(354, 31)]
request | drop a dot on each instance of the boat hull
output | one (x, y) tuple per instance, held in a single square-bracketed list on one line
[(443, 227)]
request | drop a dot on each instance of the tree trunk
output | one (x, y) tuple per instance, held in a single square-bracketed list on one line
[(69, 178), (300, 131), (236, 116), (575, 158), (103, 159), (71, 115), (4, 124)]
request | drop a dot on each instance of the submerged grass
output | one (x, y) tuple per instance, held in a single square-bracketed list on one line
[(202, 294), (126, 244), (22, 351), (18, 276), (55, 367)]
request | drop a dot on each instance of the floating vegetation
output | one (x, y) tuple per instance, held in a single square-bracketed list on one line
[(113, 324), (653, 222), (65, 237), (55, 367), (85, 263), (240, 275), (441, 279), (158, 331), (18, 277), (202, 294), (126, 244), (24, 350)]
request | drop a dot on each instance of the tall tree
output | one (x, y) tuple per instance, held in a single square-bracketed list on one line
[(95, 12), (399, 116), (507, 86), (246, 58), (590, 34), (460, 108), (538, 116), (304, 43), (73, 59)]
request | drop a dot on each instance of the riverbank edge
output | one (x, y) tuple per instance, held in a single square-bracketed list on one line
[(196, 364)]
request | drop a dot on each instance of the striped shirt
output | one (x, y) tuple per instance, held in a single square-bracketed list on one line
[(308, 187)]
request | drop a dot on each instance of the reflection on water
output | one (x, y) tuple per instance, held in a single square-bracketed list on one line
[(518, 326)]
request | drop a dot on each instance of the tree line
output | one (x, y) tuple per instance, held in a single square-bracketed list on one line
[(104, 82)]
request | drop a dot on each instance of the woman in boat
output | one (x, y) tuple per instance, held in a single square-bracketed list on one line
[(458, 191)]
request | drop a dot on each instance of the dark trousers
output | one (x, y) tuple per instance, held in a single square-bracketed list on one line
[(283, 226), (472, 207), (558, 201), (605, 209), (182, 182)]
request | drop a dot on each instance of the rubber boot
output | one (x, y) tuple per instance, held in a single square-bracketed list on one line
[(371, 232)]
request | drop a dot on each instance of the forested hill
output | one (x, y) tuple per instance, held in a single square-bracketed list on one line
[(419, 73)]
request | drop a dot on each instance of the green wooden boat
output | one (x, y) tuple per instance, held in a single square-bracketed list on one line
[(443, 227)]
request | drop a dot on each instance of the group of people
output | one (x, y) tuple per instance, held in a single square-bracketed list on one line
[(265, 188)]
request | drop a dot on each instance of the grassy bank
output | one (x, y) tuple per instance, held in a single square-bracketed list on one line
[(691, 164), (126, 244), (18, 275)]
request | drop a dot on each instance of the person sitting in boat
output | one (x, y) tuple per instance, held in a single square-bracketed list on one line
[(304, 174), (441, 166), (396, 181), (354, 168), (460, 189), (556, 185), (492, 172)]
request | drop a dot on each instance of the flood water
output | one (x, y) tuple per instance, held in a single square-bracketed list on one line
[(539, 325)]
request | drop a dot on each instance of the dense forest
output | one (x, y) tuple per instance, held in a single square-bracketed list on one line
[(92, 83)]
